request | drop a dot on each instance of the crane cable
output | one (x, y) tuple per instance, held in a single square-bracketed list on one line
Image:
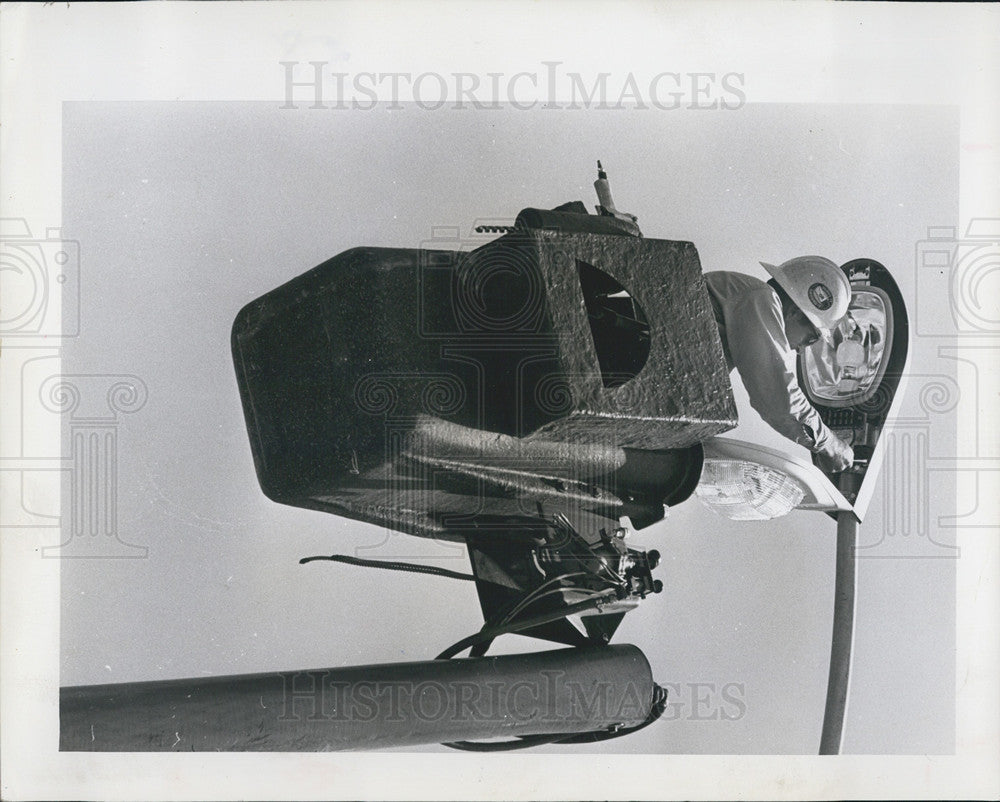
[(391, 565)]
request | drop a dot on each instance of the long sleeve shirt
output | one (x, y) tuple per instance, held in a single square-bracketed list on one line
[(752, 328)]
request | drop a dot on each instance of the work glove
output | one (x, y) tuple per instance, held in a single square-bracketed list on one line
[(839, 458)]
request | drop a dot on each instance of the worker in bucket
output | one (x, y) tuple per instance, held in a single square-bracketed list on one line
[(763, 325)]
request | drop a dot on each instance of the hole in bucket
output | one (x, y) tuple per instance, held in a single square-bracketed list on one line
[(618, 325)]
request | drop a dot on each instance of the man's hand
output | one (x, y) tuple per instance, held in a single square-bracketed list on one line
[(840, 458)]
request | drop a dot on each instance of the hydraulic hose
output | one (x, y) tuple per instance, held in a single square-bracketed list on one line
[(493, 632)]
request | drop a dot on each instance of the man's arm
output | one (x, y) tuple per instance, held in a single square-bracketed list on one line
[(766, 363)]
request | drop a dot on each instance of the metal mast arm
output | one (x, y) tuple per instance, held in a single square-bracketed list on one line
[(843, 634)]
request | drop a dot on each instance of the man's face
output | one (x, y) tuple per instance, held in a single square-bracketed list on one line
[(799, 330)]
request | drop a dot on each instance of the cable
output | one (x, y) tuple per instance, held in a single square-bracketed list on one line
[(480, 648), (656, 709), (493, 632), (525, 600), (391, 565), (526, 604), (523, 742), (655, 712)]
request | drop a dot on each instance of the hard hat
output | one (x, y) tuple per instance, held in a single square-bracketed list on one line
[(816, 286)]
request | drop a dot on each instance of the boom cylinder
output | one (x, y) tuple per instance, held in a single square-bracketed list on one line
[(366, 707)]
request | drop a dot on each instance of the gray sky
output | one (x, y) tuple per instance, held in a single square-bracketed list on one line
[(185, 212)]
